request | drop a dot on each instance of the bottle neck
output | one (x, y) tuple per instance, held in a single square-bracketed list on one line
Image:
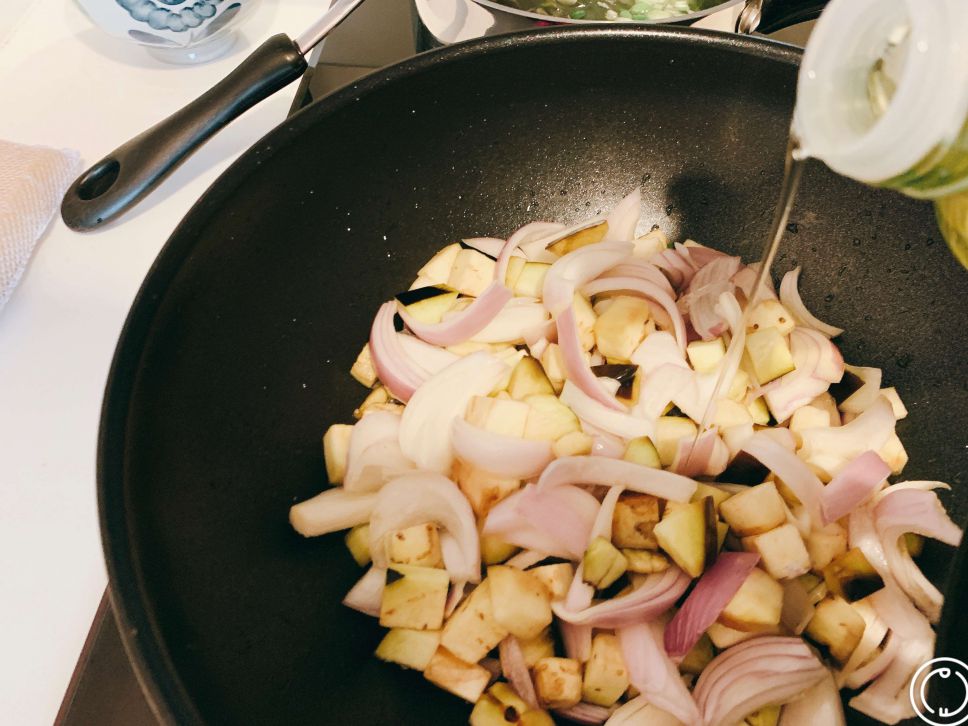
[(883, 87)]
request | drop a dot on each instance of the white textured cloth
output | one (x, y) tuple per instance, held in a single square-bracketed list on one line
[(32, 181)]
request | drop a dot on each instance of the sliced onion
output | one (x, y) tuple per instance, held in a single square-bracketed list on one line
[(887, 698), (875, 630), (790, 297), (643, 270), (576, 268), (702, 255), (666, 384), (918, 511), (624, 218), (592, 412), (525, 559), (490, 246), (818, 364), (394, 369), (536, 246), (528, 232), (420, 498), (819, 705), (745, 279), (464, 325), (550, 514), (577, 640), (429, 359), (711, 281), (603, 443), (759, 672), (790, 469), (657, 350), (646, 289), (706, 455), (515, 669), (586, 713), (454, 596), (506, 456), (711, 594), (654, 674), (590, 470), (866, 673), (426, 423), (854, 484), (506, 521), (367, 594), (519, 320), (374, 454), (656, 595), (639, 712), (677, 266), (577, 369), (331, 511), (861, 399), (869, 431)]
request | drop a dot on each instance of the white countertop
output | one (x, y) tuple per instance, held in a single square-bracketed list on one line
[(64, 83)]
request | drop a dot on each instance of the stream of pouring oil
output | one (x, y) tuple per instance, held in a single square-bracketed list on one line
[(792, 171)]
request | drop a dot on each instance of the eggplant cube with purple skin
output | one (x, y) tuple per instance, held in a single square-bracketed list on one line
[(837, 625), (557, 682)]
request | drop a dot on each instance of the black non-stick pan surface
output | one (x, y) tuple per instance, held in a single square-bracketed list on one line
[(235, 357)]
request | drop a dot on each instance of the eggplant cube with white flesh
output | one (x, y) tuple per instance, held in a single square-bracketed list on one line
[(756, 605), (520, 601), (620, 329), (781, 551), (336, 446), (471, 631), (529, 282), (556, 577), (538, 647), (557, 682), (500, 706), (549, 419), (417, 545), (645, 562), (705, 355), (688, 534), (837, 625), (498, 415), (528, 378), (427, 304), (602, 564), (414, 597), (642, 451), (465, 680), (634, 520), (606, 678), (409, 648), (358, 543), (471, 273), (769, 354), (755, 510), (669, 430)]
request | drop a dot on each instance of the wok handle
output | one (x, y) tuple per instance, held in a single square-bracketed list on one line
[(126, 175), (778, 14)]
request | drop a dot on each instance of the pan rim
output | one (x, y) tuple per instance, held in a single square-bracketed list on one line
[(133, 610)]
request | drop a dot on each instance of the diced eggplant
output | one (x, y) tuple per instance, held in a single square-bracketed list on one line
[(760, 412), (893, 454), (669, 430), (409, 648), (836, 625), (891, 394), (620, 329), (769, 354), (851, 577), (603, 563), (414, 597), (807, 417), (644, 562), (336, 446), (483, 489), (634, 520), (781, 550), (376, 400), (650, 244), (466, 680), (538, 647), (696, 660), (528, 379), (363, 369), (428, 304), (465, 245), (508, 698), (688, 535), (576, 443), (418, 545), (471, 631), (472, 272), (549, 419), (358, 543), (718, 495), (744, 469), (619, 588), (846, 387), (554, 366), (624, 373), (556, 577), (824, 545), (766, 716), (585, 319), (530, 280), (770, 314), (502, 416), (755, 510), (520, 601), (515, 265), (579, 239), (826, 402), (606, 678), (488, 711), (557, 682), (724, 637), (740, 386), (494, 551), (731, 413), (437, 270), (756, 605), (705, 355), (642, 451)]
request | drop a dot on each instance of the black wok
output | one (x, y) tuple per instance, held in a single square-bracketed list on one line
[(235, 355)]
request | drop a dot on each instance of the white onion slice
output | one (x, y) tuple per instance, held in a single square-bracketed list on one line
[(506, 456), (490, 246), (654, 674), (790, 297), (861, 399), (393, 367), (464, 325), (788, 467), (624, 218), (519, 320), (657, 350), (550, 514), (425, 497), (454, 597), (875, 630), (853, 485), (592, 412), (586, 713), (515, 669), (745, 279), (577, 370), (819, 705), (426, 423), (866, 673), (428, 358), (677, 266), (887, 698), (591, 470), (367, 594), (507, 522), (576, 268), (528, 232), (643, 270), (331, 511), (646, 289), (639, 712), (818, 364), (651, 599), (374, 454), (706, 455), (869, 431)]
